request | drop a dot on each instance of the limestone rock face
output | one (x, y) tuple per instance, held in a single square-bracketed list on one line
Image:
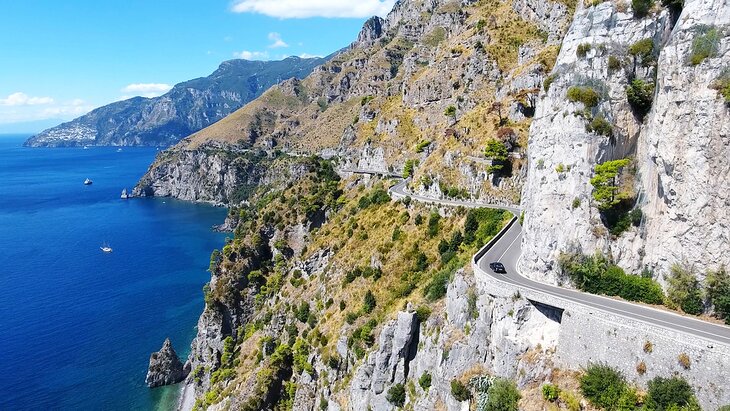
[(684, 152), (681, 148), (562, 153), (386, 366), (165, 367)]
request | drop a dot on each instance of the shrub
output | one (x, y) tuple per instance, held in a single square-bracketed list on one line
[(641, 368), (560, 168), (600, 126), (722, 85), (641, 7), (643, 50), (614, 63), (548, 82), (436, 288), (704, 45), (586, 95), (422, 313), (595, 274), (674, 5), (576, 203), (640, 95), (502, 396), (409, 168), (302, 313), (396, 395), (669, 394), (582, 50), (602, 385), (648, 347), (684, 290), (718, 292), (433, 224), (425, 381), (684, 361), (459, 390), (369, 302), (550, 392), (450, 111), (422, 146)]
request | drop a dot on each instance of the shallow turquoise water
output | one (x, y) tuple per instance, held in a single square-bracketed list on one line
[(77, 325)]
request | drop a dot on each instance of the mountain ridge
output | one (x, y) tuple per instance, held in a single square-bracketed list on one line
[(188, 107)]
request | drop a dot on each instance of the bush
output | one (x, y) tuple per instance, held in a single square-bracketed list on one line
[(433, 224), (450, 111), (641, 7), (368, 304), (722, 85), (669, 394), (550, 392), (548, 82), (595, 274), (718, 292), (422, 313), (704, 45), (409, 168), (421, 147), (582, 50), (614, 63), (436, 288), (641, 368), (497, 152), (586, 95), (396, 395), (643, 50), (684, 290), (576, 203), (502, 396), (302, 313), (459, 390), (684, 361), (603, 386), (600, 126), (640, 95), (425, 381)]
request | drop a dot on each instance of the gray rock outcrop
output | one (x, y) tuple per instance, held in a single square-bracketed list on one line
[(165, 367)]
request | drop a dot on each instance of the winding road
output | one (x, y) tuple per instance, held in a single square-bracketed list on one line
[(507, 248)]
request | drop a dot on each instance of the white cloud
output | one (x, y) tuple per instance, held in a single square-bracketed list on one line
[(276, 40), (65, 110), (251, 55), (22, 99), (292, 9), (147, 89)]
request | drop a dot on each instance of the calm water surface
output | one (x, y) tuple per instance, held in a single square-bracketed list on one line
[(77, 325)]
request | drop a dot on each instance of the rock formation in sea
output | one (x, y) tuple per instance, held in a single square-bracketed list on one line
[(165, 367)]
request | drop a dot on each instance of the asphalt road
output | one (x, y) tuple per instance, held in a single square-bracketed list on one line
[(508, 249)]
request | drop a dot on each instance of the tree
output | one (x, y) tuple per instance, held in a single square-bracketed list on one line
[(670, 394), (606, 191), (502, 396), (368, 303), (641, 7), (603, 386), (409, 168), (718, 292), (684, 290), (396, 395), (497, 152), (497, 107)]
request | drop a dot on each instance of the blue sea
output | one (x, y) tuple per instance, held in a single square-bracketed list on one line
[(77, 326)]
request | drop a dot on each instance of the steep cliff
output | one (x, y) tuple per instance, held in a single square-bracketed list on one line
[(434, 80), (187, 108), (678, 151)]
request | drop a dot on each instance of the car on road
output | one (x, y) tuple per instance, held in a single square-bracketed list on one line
[(497, 267)]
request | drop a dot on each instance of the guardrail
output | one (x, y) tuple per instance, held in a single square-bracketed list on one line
[(491, 243)]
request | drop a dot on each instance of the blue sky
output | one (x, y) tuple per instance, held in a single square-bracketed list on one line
[(61, 59)]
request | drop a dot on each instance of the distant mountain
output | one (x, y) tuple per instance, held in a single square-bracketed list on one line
[(187, 108)]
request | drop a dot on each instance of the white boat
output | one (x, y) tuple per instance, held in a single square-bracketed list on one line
[(125, 195), (88, 182), (119, 150), (105, 248)]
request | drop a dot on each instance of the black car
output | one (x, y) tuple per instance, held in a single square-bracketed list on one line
[(498, 268)]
